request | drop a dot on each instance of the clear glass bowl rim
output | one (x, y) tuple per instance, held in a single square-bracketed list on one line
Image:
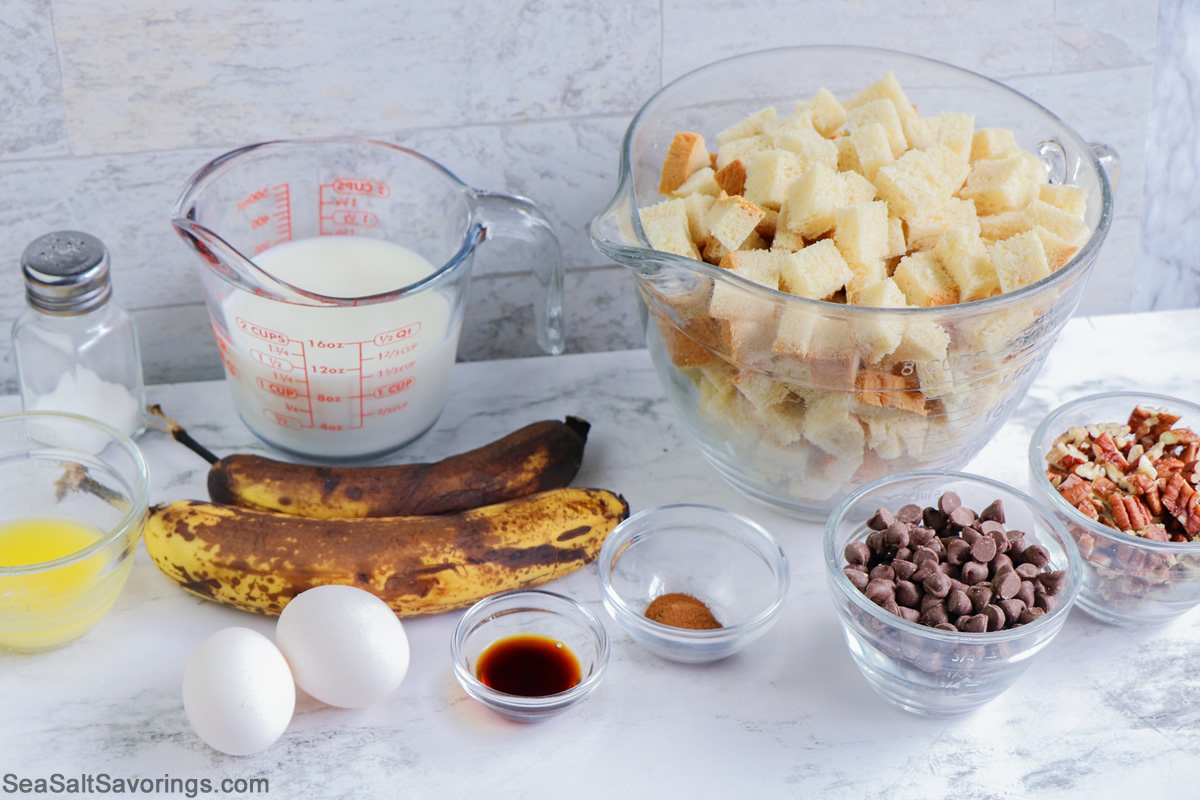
[(1037, 461), (1066, 599), (138, 504), (626, 531), (538, 600)]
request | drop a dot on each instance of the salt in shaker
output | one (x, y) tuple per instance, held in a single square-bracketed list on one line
[(76, 351)]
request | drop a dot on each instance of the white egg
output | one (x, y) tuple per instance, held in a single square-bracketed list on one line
[(238, 691), (346, 647)]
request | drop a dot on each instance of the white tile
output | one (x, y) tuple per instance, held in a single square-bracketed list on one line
[(139, 75), (1114, 278), (1013, 37), (32, 119)]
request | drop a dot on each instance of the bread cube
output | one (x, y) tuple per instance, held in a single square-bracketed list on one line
[(1070, 228), (892, 433), (921, 356), (731, 178), (883, 113), (956, 131), (886, 88), (1058, 250), (1072, 199), (767, 225), (864, 275), (750, 342), (814, 348), (816, 272), (730, 301), (809, 146), (812, 199), (921, 132), (702, 181), (666, 226), (785, 239), (876, 336), (761, 390), (749, 126), (685, 155), (913, 182), (997, 185), (713, 251), (964, 257), (928, 227), (732, 218), (924, 282), (861, 232), (829, 425), (886, 390), (783, 422), (872, 148), (996, 227), (859, 190), (742, 148), (994, 333), (993, 143), (897, 245), (826, 113), (1019, 261), (769, 174), (697, 206), (847, 156)]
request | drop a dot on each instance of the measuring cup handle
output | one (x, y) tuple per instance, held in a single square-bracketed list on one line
[(512, 217)]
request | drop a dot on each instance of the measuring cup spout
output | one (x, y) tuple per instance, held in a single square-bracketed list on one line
[(225, 260)]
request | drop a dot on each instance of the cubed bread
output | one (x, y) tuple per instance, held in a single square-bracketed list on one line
[(996, 227), (924, 282), (732, 218), (879, 336), (713, 251), (686, 154), (956, 130), (861, 232), (783, 422), (859, 190), (666, 226), (872, 148), (696, 207), (886, 390), (731, 178), (815, 272), (1003, 184), (785, 239), (812, 199), (912, 183), (768, 176), (748, 126), (1058, 250), (994, 332), (762, 391), (730, 301), (921, 132), (886, 88), (965, 258), (766, 226), (883, 113), (1072, 199), (926, 228), (897, 244), (702, 181), (1068, 227), (1019, 261), (892, 433), (742, 148), (809, 146), (993, 143), (847, 155), (863, 275), (750, 342), (830, 426), (825, 111)]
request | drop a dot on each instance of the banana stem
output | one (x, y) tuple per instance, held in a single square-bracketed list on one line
[(180, 435)]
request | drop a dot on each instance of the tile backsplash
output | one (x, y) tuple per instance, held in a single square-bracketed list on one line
[(109, 105)]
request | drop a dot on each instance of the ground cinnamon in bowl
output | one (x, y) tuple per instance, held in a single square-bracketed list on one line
[(681, 610)]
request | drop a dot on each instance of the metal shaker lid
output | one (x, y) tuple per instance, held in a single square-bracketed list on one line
[(66, 272)]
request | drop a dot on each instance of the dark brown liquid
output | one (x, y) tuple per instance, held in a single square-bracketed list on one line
[(529, 666)]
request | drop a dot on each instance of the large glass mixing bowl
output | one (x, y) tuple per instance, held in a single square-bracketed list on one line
[(800, 432)]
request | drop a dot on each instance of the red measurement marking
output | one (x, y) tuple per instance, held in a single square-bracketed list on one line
[(282, 419), (273, 361), (366, 187), (266, 334), (358, 219), (261, 194), (279, 390), (393, 388), (393, 336)]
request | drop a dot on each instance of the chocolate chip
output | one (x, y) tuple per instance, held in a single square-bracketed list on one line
[(924, 554), (1044, 601), (857, 577), (957, 603), (1006, 585), (908, 594), (1026, 594), (1000, 563), (933, 519), (1036, 554), (857, 553), (962, 517), (1053, 582), (919, 536), (973, 572), (937, 584), (910, 614), (981, 596), (875, 541), (924, 570), (896, 536), (995, 617), (909, 513), (882, 519), (903, 569), (879, 592), (972, 623), (934, 615), (990, 526), (957, 552), (1029, 615), (994, 511), (1028, 571), (882, 572), (945, 626), (984, 549), (948, 502)]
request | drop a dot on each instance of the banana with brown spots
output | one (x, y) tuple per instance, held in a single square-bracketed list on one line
[(259, 560)]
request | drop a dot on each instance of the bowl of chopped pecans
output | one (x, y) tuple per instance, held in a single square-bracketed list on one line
[(1120, 470)]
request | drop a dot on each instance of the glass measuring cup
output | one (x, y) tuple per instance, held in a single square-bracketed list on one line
[(347, 352)]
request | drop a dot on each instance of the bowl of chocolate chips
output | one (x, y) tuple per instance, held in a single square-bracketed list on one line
[(946, 585)]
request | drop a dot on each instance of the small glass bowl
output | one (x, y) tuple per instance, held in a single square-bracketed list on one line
[(529, 612), (919, 668), (1127, 579), (62, 475), (730, 563)]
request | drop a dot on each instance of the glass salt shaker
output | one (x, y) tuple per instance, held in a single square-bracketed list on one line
[(76, 351)]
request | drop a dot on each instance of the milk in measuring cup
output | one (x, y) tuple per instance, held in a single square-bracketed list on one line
[(340, 381)]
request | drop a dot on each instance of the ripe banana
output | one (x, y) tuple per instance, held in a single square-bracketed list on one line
[(541, 456), (259, 560)]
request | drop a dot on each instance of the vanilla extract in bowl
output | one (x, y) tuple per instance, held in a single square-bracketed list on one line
[(528, 665)]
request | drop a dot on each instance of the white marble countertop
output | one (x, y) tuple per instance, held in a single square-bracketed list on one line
[(1104, 711)]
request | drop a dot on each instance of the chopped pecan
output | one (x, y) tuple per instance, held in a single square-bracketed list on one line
[(1119, 514), (1106, 451), (1136, 511), (1075, 490)]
